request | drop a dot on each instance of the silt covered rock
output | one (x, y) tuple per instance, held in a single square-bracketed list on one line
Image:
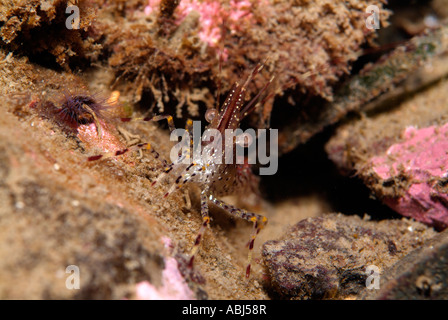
[(327, 257)]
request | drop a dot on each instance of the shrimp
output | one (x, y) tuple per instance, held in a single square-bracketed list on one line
[(211, 174)]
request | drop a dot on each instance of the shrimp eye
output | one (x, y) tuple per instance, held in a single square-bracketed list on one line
[(210, 114)]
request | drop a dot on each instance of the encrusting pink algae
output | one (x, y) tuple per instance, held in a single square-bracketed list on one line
[(422, 157), (212, 15), (173, 286)]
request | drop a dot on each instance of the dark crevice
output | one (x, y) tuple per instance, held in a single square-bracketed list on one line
[(307, 170)]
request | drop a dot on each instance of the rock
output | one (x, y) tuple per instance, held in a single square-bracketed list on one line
[(327, 257), (422, 274), (400, 155), (420, 161), (45, 227), (400, 73)]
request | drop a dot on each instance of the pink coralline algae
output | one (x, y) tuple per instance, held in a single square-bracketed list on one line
[(173, 285), (107, 141), (422, 160), (213, 15)]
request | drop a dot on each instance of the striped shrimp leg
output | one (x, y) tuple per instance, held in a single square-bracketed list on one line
[(140, 146), (205, 223), (259, 222)]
